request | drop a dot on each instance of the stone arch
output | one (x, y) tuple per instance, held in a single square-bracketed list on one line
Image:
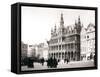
[(54, 55), (65, 55), (62, 55), (59, 55), (51, 54), (75, 56), (71, 55)]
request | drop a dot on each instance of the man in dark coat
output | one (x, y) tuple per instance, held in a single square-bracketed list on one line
[(55, 62), (42, 61), (67, 60), (30, 63), (49, 62)]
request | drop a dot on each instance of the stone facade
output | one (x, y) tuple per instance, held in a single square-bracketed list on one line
[(88, 42), (43, 50), (32, 50), (40, 50), (65, 41)]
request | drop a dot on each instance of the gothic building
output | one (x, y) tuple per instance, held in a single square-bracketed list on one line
[(65, 41)]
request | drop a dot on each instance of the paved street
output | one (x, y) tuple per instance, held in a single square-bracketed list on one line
[(38, 66)]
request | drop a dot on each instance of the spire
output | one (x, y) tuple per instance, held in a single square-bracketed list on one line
[(55, 28), (62, 21), (51, 31), (79, 22)]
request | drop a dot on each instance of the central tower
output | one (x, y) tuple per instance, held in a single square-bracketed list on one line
[(61, 21), (61, 24)]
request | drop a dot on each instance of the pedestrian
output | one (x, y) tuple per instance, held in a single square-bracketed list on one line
[(30, 63), (42, 61), (67, 60), (49, 62), (55, 62)]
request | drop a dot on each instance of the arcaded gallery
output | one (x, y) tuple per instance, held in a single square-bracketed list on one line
[(65, 41)]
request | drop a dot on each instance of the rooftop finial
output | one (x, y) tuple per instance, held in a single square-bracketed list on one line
[(79, 19), (61, 16), (62, 20)]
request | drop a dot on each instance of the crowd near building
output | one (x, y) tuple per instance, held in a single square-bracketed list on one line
[(65, 41)]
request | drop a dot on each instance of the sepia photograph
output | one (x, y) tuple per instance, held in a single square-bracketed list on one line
[(57, 38)]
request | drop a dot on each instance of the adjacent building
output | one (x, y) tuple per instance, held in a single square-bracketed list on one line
[(65, 41), (32, 50), (24, 50), (88, 42), (43, 50), (83, 43), (40, 50)]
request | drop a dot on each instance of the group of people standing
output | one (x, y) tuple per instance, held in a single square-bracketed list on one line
[(52, 63)]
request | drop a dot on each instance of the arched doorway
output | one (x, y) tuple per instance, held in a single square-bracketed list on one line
[(75, 56), (62, 55), (69, 55), (72, 55), (54, 55), (65, 55), (59, 55)]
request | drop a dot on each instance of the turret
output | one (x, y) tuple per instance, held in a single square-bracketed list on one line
[(62, 21), (79, 24), (61, 24), (79, 21), (51, 32), (55, 28)]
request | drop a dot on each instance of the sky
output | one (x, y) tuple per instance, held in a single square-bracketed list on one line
[(37, 21)]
